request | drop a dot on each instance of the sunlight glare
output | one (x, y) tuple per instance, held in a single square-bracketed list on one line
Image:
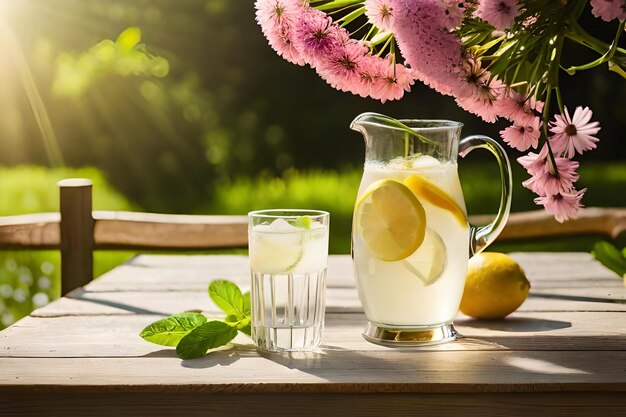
[(541, 366), (16, 63)]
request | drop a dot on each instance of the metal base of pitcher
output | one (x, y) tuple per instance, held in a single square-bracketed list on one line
[(409, 336)]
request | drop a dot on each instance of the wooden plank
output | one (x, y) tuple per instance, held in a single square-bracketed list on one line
[(338, 300), (562, 269), (330, 371), (40, 231), (117, 336), (563, 302), (130, 230), (84, 303), (176, 272), (194, 272), (562, 277), (610, 222), (168, 402)]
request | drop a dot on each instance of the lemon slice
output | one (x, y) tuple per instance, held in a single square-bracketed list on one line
[(430, 260), (276, 248), (390, 220), (422, 188)]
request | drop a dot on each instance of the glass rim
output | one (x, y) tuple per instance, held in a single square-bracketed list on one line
[(431, 124), (267, 213), (421, 124)]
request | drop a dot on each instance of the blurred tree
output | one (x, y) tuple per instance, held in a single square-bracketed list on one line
[(206, 100)]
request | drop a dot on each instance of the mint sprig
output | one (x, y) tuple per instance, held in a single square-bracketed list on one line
[(193, 335), (169, 331), (210, 335)]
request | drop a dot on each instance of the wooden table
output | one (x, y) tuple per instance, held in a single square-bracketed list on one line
[(562, 353)]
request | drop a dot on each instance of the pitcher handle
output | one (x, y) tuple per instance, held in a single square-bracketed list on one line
[(483, 236)]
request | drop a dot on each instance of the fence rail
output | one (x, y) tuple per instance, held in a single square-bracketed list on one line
[(77, 230)]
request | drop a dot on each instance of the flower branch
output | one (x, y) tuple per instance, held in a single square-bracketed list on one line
[(606, 57), (499, 59)]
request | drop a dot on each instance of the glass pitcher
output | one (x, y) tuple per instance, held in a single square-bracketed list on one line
[(410, 233)]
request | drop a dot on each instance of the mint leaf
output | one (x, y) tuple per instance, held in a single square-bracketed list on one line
[(609, 256), (210, 335), (247, 310), (227, 296), (169, 331), (303, 222), (243, 325)]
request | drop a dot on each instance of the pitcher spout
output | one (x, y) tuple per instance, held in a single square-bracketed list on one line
[(365, 120)]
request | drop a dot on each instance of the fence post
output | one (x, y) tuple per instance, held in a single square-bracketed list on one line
[(77, 241)]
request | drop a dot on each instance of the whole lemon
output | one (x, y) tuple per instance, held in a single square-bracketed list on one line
[(495, 287)]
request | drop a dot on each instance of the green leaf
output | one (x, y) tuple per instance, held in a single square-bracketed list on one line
[(337, 4), (617, 69), (129, 38), (210, 335), (303, 222), (247, 310), (245, 328), (227, 296), (350, 17), (169, 331), (380, 37), (243, 325), (609, 256)]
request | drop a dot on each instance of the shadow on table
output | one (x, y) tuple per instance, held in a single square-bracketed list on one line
[(222, 356), (516, 324)]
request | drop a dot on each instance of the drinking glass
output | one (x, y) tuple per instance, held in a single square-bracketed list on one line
[(288, 261)]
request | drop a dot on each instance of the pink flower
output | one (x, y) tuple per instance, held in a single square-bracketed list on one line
[(544, 182), (563, 206), (390, 82), (498, 13), (434, 54), (608, 10), (316, 36), (533, 163), (454, 11), (472, 76), (380, 13), (271, 14), (522, 137), (483, 101), (342, 67), (573, 134), (518, 108), (276, 18)]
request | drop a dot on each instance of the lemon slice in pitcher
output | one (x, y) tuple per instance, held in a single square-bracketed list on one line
[(422, 188), (429, 261), (390, 220)]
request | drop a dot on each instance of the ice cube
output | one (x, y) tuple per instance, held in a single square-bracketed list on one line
[(282, 225), (262, 228), (425, 161)]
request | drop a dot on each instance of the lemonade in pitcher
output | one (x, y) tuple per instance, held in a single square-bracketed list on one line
[(411, 240)]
